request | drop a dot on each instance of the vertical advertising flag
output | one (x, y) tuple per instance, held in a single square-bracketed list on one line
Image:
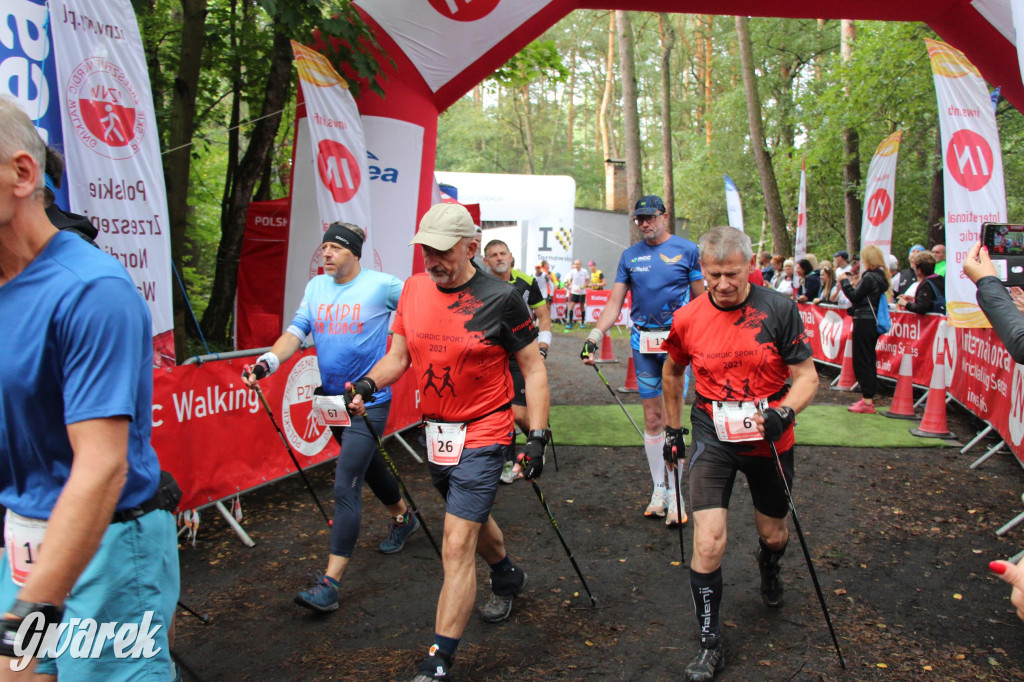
[(800, 244), (1017, 12), (972, 171), (732, 203), (112, 149), (879, 195)]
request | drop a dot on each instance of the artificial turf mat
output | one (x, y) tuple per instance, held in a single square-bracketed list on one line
[(821, 425)]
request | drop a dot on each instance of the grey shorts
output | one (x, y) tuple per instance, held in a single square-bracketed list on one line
[(469, 487)]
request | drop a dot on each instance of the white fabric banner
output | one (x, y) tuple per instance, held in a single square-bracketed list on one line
[(443, 37), (1017, 12), (800, 243), (879, 195), (542, 205), (733, 204), (972, 171), (115, 176)]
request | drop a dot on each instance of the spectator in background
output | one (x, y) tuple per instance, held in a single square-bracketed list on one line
[(547, 288), (829, 288), (841, 261), (764, 261), (810, 282), (785, 282), (478, 260), (577, 281), (906, 278), (865, 299), (596, 276), (777, 270), (813, 259), (939, 251), (931, 288)]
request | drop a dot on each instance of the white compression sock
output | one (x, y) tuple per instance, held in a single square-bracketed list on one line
[(653, 446), (673, 479)]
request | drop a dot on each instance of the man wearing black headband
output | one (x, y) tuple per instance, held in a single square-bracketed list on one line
[(347, 311)]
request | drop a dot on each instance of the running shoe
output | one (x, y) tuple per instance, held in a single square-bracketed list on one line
[(708, 661), (672, 514), (658, 504), (399, 531), (499, 607), (568, 328), (862, 407), (507, 473), (770, 567), (322, 597), (434, 667)]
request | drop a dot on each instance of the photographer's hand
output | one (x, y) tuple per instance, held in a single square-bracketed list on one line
[(978, 264)]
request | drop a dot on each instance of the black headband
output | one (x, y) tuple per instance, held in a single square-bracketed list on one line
[(337, 233)]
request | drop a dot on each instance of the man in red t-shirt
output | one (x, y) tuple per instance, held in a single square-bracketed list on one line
[(743, 342), (456, 327)]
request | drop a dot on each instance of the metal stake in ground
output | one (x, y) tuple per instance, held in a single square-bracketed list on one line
[(605, 382), (298, 467), (401, 484), (554, 524), (807, 554)]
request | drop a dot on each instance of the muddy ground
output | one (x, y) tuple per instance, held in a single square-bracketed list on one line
[(900, 540)]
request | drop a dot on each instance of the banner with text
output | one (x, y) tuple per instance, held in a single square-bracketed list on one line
[(879, 195), (800, 243), (972, 177), (112, 149), (733, 204), (596, 301)]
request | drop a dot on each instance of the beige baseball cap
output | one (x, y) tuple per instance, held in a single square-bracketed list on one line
[(443, 226)]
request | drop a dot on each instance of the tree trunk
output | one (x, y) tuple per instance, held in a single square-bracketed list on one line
[(707, 81), (668, 39), (216, 322), (770, 188), (851, 155), (630, 118), (937, 204), (177, 161), (571, 124), (526, 128), (606, 97)]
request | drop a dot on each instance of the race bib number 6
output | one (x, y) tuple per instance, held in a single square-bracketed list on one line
[(445, 442), (734, 420), (22, 537)]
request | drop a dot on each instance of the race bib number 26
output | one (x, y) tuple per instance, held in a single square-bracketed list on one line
[(445, 442)]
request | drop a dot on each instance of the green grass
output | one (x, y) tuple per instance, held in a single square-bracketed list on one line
[(821, 425)]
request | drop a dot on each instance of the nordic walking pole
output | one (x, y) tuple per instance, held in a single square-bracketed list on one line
[(677, 471), (298, 467), (551, 441), (605, 381), (554, 524), (185, 607), (807, 554), (401, 484)]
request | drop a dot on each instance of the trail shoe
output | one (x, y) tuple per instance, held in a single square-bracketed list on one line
[(434, 667), (862, 407), (568, 328), (672, 517), (322, 597), (658, 504), (399, 531), (769, 564), (505, 587), (708, 661), (507, 474)]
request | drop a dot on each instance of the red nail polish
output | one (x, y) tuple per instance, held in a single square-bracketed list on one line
[(997, 567)]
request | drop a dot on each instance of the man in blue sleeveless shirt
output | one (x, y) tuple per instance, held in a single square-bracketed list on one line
[(663, 273)]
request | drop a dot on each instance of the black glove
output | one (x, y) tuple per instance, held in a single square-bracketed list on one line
[(364, 386), (51, 616), (531, 460), (589, 349), (260, 369), (776, 421), (675, 445)]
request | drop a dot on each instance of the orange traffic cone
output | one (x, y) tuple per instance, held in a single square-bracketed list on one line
[(606, 350), (846, 381), (631, 385), (933, 423), (903, 398)]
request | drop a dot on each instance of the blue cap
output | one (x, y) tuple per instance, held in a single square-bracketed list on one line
[(915, 247), (649, 205), (845, 255)]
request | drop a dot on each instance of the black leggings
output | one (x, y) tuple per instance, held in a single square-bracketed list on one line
[(865, 337)]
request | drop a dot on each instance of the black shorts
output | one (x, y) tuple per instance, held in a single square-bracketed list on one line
[(578, 298), (712, 472), (518, 383)]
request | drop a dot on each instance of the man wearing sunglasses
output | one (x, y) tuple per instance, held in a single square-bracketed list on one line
[(663, 273)]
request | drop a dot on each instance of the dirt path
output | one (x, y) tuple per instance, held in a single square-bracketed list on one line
[(901, 540)]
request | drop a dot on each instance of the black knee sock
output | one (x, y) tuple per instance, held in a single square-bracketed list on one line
[(706, 589)]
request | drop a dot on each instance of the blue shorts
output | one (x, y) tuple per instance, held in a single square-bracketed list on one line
[(648, 372), (134, 571), (469, 487)]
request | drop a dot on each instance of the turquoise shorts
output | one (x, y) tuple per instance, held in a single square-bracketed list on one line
[(134, 571)]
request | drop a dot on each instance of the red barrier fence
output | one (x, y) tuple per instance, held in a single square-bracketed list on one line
[(211, 432), (980, 373)]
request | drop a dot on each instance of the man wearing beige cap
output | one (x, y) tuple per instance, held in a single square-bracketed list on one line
[(456, 327)]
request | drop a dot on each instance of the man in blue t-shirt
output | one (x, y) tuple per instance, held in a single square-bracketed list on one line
[(663, 273), (76, 391), (347, 311)]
